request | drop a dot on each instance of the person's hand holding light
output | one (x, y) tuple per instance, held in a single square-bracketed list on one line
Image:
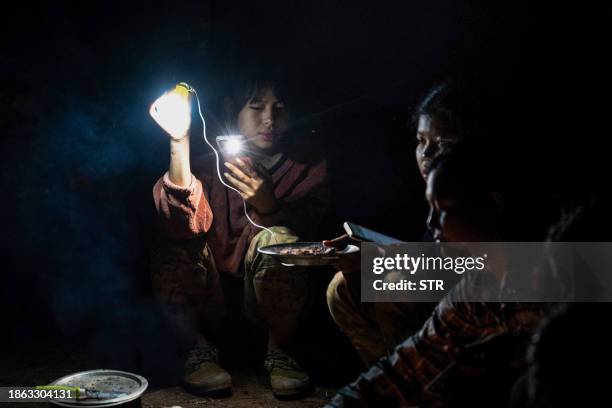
[(254, 183), (172, 112)]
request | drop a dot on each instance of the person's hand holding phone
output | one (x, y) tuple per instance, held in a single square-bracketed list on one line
[(254, 183), (350, 262)]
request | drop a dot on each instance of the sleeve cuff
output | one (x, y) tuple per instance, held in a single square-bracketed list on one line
[(176, 190)]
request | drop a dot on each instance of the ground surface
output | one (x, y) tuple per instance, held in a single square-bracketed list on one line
[(40, 365), (249, 391)]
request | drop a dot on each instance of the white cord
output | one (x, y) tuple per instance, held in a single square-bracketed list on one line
[(191, 89)]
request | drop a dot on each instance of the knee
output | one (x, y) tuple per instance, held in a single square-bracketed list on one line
[(273, 235), (338, 296)]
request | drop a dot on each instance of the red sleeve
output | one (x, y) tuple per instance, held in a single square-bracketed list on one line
[(183, 212)]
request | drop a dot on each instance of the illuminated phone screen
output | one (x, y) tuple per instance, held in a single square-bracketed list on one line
[(365, 234), (230, 146)]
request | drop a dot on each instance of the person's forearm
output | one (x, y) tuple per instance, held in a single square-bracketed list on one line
[(180, 169)]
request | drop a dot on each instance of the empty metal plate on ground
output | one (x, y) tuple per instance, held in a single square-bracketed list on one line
[(119, 386)]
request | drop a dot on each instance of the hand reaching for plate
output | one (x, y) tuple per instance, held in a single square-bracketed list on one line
[(349, 262)]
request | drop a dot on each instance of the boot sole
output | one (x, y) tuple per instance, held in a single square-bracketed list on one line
[(293, 394), (220, 391)]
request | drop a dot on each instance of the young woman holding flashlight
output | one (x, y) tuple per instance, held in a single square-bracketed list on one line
[(208, 269)]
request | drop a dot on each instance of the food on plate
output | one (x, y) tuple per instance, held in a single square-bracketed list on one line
[(306, 250)]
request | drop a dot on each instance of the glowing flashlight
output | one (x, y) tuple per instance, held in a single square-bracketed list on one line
[(172, 111), (230, 145)]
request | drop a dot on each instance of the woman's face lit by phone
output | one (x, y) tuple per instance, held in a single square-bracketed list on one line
[(263, 120), (458, 217), (445, 220)]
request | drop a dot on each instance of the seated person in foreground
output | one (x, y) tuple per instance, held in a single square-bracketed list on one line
[(428, 367), (208, 260), (375, 329)]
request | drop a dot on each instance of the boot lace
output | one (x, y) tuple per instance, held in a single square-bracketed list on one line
[(280, 360), (200, 354)]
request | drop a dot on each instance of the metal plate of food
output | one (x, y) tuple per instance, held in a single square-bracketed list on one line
[(103, 388), (306, 253)]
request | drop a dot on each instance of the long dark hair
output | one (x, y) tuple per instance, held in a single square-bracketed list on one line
[(443, 105), (460, 110), (251, 82)]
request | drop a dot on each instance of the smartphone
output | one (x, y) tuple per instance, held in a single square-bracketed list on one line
[(365, 234), (231, 146)]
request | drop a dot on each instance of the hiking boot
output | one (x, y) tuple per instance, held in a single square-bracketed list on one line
[(287, 378), (203, 376)]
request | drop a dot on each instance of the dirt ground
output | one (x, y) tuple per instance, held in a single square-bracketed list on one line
[(40, 365), (249, 391)]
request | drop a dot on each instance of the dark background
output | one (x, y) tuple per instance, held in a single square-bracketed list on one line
[(81, 154)]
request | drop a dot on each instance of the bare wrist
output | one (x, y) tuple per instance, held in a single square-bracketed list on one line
[(179, 144), (180, 167)]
